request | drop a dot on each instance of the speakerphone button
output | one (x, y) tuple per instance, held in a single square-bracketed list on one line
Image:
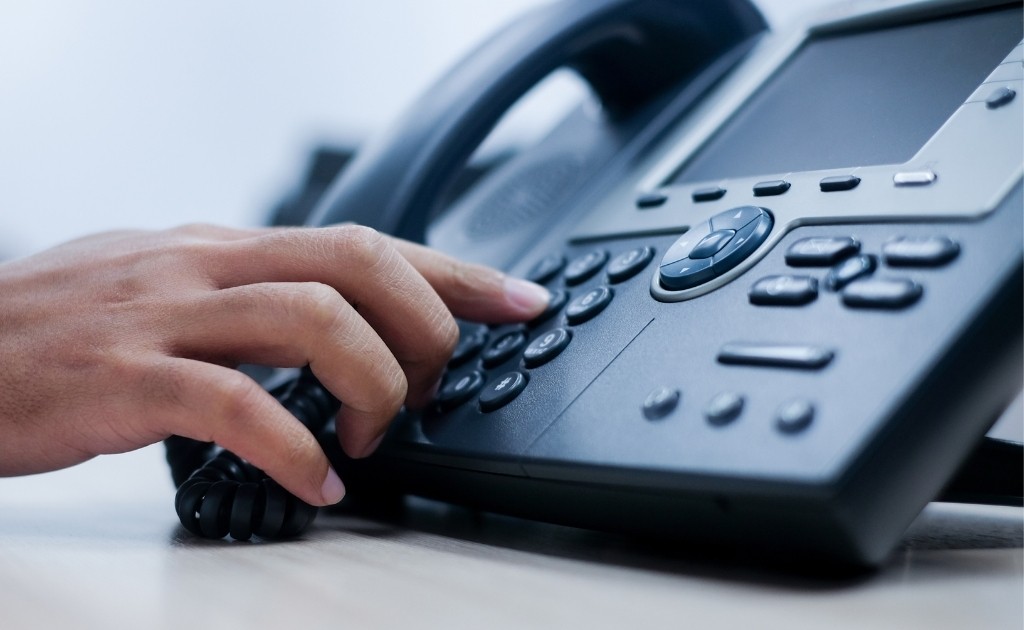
[(502, 390), (771, 188)]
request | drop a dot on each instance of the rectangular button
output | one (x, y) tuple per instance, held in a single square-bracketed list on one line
[(775, 355)]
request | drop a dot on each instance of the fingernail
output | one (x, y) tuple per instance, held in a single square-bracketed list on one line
[(332, 489), (526, 295)]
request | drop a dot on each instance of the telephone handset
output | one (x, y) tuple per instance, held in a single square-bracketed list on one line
[(787, 282)]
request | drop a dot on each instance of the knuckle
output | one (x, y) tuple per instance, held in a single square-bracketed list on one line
[(367, 248), (236, 398), (318, 303)]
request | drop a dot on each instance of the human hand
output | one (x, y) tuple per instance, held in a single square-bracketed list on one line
[(119, 340)]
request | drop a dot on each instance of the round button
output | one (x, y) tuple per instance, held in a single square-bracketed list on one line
[(794, 416), (460, 390), (502, 390), (724, 408), (583, 268), (555, 304), (588, 305), (546, 347), (628, 264), (660, 402), (502, 348), (471, 342), (546, 268)]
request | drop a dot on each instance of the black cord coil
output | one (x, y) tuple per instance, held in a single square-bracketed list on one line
[(227, 495)]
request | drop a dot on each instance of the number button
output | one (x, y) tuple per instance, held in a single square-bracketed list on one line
[(546, 347), (588, 305)]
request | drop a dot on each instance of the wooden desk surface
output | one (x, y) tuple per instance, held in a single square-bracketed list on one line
[(99, 546)]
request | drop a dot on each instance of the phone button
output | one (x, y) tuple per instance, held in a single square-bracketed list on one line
[(686, 273), (457, 392), (737, 218), (471, 342), (724, 408), (882, 293), (685, 243), (930, 251), (784, 291), (547, 347), (583, 268), (502, 348), (775, 355), (628, 264), (849, 270), (502, 390), (821, 251), (555, 304), (588, 305), (712, 243), (546, 268), (660, 402), (794, 416)]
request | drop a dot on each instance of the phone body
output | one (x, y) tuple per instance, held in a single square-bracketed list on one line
[(789, 271)]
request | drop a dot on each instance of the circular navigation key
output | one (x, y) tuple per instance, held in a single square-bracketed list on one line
[(502, 390), (546, 347)]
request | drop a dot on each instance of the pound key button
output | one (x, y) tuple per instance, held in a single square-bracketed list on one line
[(459, 391), (588, 305), (502, 390), (628, 264), (546, 347), (660, 402), (784, 291), (583, 268)]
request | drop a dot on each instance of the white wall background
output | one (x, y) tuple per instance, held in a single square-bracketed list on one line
[(116, 113)]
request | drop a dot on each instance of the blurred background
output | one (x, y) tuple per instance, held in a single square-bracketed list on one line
[(117, 114)]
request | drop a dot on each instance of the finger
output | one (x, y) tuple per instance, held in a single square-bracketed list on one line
[(216, 404), (475, 292), (366, 269), (292, 324)]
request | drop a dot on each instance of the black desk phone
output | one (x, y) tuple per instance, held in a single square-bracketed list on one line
[(787, 273)]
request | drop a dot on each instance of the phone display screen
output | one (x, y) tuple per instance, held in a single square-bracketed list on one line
[(858, 99)]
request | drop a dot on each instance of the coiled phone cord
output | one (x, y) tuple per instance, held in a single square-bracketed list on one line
[(219, 493)]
